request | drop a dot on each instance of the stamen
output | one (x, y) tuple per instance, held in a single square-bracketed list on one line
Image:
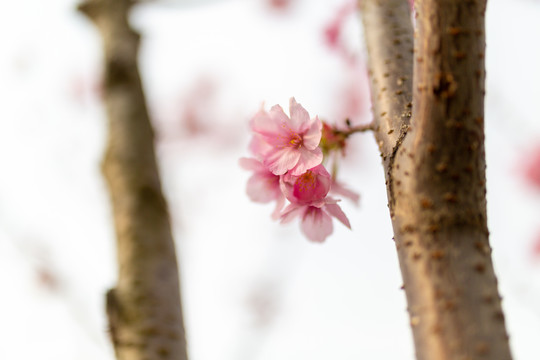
[(306, 182), (296, 141)]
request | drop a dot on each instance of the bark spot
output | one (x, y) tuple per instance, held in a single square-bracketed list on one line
[(445, 85), (455, 31), (426, 203), (163, 352), (459, 55), (433, 228), (450, 197), (482, 348), (441, 167), (482, 248), (499, 316), (408, 228), (450, 305), (480, 268)]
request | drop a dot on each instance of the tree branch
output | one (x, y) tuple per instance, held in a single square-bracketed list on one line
[(388, 33), (436, 175), (144, 309)]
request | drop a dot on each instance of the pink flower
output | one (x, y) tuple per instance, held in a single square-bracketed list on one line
[(536, 248), (310, 188), (532, 168), (287, 144), (263, 186), (316, 221), (307, 194), (333, 31)]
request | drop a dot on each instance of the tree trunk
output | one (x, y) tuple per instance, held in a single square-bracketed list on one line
[(144, 309), (435, 171)]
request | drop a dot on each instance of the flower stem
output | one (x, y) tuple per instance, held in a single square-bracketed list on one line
[(355, 129)]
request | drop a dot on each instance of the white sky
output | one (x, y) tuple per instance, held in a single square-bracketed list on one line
[(252, 289)]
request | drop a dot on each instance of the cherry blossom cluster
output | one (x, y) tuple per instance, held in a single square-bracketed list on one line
[(287, 165)]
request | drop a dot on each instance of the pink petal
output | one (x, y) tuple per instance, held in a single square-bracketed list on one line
[(281, 120), (279, 161), (316, 224), (280, 203), (259, 147), (260, 188), (262, 123), (340, 189), (300, 121), (335, 211), (312, 137), (291, 211), (310, 188), (251, 164), (308, 159)]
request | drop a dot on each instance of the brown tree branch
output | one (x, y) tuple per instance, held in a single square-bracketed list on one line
[(388, 33), (144, 309), (436, 173)]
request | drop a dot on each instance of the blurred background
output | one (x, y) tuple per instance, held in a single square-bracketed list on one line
[(252, 289)]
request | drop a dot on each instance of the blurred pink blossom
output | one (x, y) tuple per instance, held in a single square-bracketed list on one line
[(279, 4), (263, 186), (334, 29), (287, 144), (532, 168), (536, 248)]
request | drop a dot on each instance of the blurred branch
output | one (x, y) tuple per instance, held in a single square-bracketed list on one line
[(144, 309), (435, 171)]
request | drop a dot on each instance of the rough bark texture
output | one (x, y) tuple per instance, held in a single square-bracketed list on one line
[(435, 171), (144, 309)]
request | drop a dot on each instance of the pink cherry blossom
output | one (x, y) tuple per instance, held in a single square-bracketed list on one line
[(287, 144), (536, 248), (316, 221), (310, 188), (263, 186), (532, 168)]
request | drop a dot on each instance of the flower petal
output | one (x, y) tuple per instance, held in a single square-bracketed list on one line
[(251, 164), (261, 188), (309, 188), (280, 203), (291, 211), (340, 189), (312, 137), (262, 123), (300, 121), (280, 160), (335, 211), (259, 147), (308, 159), (316, 224)]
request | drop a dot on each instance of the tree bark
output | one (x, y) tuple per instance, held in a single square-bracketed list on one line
[(435, 171), (144, 309)]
